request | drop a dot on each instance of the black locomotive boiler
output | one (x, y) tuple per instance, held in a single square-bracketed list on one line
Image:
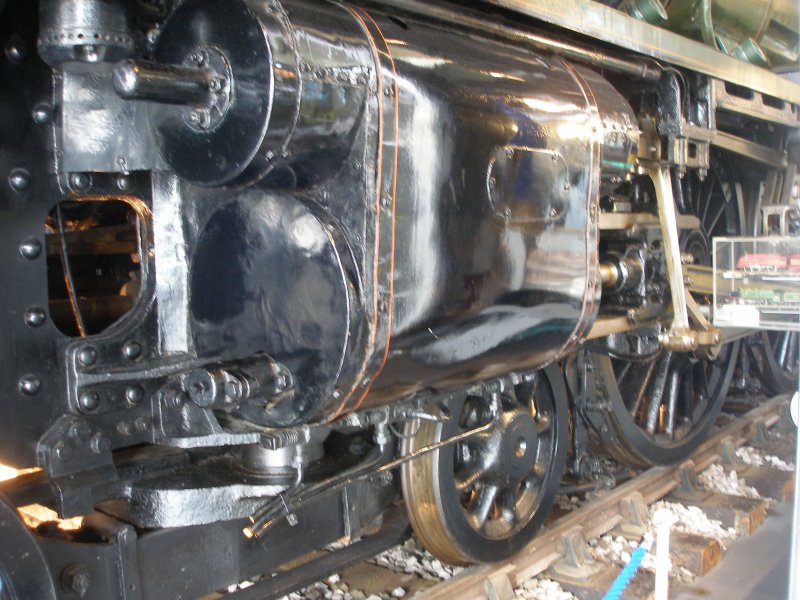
[(269, 267)]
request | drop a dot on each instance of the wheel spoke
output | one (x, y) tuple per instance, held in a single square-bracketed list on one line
[(700, 376), (706, 203), (542, 423), (482, 504), (716, 218), (659, 383), (642, 389), (623, 372), (673, 390), (465, 482), (508, 506), (792, 354), (783, 349)]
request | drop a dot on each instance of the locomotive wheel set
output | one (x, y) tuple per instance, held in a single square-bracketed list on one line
[(270, 267)]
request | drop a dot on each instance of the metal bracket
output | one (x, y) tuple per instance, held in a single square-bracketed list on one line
[(635, 516), (728, 455), (577, 562), (77, 460), (689, 486), (498, 585)]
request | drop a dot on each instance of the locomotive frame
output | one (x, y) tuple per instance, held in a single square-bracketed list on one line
[(349, 239)]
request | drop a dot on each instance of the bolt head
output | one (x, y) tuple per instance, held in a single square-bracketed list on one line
[(35, 317), (42, 114), (87, 356), (100, 444), (134, 394), (76, 578), (89, 401), (79, 431), (15, 49), (124, 182), (132, 350), (30, 384), (62, 451), (30, 248), (19, 179)]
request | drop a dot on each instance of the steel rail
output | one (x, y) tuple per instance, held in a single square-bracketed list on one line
[(603, 514)]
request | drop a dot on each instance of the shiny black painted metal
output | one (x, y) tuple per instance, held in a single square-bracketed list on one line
[(487, 175), (123, 562), (452, 194), (489, 276)]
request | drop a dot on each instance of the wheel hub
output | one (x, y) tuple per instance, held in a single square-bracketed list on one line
[(517, 445)]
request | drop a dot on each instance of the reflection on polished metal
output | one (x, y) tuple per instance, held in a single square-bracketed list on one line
[(263, 460), (604, 23), (761, 32), (170, 84), (310, 242)]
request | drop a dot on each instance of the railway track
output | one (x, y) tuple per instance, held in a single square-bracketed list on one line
[(560, 550)]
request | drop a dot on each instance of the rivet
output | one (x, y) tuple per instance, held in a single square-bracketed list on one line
[(42, 114), (15, 49), (132, 350), (80, 181), (19, 179), (89, 401), (30, 384), (35, 317), (134, 394), (87, 356), (124, 182), (30, 248)]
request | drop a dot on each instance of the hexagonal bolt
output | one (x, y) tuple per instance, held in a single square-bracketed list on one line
[(100, 444), (62, 452), (79, 431), (75, 578)]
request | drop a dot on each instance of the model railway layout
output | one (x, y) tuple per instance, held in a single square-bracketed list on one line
[(282, 273)]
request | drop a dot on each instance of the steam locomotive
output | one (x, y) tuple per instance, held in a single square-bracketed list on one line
[(270, 266)]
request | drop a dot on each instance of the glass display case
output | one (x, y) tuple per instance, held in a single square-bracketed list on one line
[(757, 282)]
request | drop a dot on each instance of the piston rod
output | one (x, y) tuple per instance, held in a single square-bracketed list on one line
[(168, 84)]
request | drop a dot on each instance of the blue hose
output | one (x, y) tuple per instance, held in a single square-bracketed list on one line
[(627, 573)]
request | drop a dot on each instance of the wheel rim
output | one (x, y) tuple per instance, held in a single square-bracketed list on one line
[(483, 499), (661, 403)]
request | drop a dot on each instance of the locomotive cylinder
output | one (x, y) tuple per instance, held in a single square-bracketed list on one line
[(447, 234)]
